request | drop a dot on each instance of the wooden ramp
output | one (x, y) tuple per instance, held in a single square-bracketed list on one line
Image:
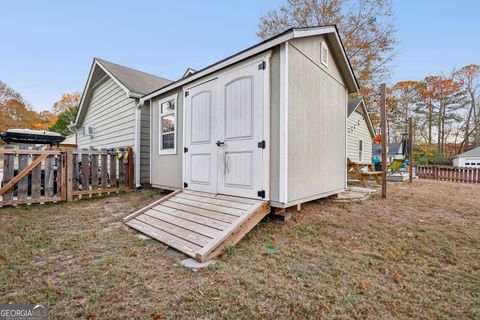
[(198, 224)]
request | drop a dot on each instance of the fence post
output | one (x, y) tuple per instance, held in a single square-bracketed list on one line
[(69, 169), (131, 180)]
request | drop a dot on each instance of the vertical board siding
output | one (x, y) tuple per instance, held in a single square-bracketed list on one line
[(167, 168), (357, 129), (316, 124)]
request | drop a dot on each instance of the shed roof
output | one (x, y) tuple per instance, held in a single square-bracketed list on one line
[(471, 153), (331, 32)]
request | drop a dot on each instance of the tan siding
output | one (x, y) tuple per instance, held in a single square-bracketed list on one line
[(316, 126), (360, 132), (310, 48), (112, 115), (275, 125), (167, 168)]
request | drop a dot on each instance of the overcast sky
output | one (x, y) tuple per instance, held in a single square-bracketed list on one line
[(47, 46)]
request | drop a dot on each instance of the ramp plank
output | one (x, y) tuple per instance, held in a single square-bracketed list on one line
[(185, 224), (182, 233), (199, 224), (208, 206), (215, 224), (220, 202), (172, 241), (223, 197), (203, 212)]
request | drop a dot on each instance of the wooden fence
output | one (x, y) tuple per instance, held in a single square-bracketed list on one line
[(39, 176), (446, 173)]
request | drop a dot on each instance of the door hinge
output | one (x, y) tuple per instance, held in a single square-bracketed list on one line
[(262, 66), (262, 144), (185, 149), (185, 185), (261, 194), (186, 94)]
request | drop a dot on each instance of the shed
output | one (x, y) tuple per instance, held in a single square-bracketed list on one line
[(360, 132), (109, 114), (469, 159), (266, 123)]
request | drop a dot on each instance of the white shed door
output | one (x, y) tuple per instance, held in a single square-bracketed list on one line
[(241, 130), (223, 129), (200, 122)]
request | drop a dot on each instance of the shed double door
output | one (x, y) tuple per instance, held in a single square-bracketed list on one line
[(223, 134)]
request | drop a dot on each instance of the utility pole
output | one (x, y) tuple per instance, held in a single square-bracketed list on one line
[(410, 151), (383, 127)]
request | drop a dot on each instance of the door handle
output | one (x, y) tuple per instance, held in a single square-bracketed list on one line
[(219, 143)]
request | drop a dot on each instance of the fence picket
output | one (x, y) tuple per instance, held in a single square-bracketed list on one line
[(22, 185)]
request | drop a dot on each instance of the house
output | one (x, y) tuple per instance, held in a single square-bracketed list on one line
[(360, 132), (394, 151), (266, 123), (469, 159), (110, 116)]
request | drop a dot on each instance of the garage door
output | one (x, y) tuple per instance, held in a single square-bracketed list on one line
[(224, 134)]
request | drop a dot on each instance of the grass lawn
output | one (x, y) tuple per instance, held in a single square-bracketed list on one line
[(414, 255)]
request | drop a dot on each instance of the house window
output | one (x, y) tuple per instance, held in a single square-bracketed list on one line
[(168, 125), (360, 150), (324, 54)]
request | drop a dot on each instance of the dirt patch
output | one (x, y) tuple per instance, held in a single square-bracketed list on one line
[(414, 255)]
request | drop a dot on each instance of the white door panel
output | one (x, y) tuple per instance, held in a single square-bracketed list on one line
[(200, 121), (241, 129)]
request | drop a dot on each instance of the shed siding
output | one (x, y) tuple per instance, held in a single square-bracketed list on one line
[(275, 125), (317, 103), (112, 115), (167, 168), (357, 124)]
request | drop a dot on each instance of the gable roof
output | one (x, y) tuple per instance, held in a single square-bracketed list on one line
[(330, 32), (353, 105), (470, 153), (135, 83)]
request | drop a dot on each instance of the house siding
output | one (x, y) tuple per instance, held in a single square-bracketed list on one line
[(112, 114), (357, 124), (317, 103), (145, 144)]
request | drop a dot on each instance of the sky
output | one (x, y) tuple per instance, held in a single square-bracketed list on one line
[(47, 47)]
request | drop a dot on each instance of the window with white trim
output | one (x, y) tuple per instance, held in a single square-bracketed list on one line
[(324, 54), (168, 125)]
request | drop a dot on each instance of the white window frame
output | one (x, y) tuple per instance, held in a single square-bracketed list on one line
[(322, 60), (160, 133)]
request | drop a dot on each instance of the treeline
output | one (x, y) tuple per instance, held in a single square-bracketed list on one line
[(15, 112), (445, 109)]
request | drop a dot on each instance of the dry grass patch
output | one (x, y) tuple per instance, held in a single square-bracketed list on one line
[(415, 255)]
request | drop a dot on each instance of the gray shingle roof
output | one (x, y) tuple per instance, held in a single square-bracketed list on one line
[(135, 81), (392, 149), (352, 104), (471, 153)]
